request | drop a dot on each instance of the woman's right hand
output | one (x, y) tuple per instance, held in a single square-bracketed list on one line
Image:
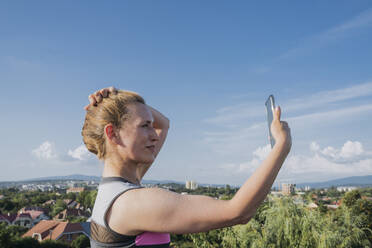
[(97, 96), (281, 131)]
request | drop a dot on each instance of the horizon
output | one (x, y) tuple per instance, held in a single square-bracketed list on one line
[(207, 66), (51, 178)]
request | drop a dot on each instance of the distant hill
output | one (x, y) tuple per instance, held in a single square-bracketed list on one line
[(78, 177), (63, 178), (361, 181)]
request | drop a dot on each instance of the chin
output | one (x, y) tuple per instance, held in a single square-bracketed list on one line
[(146, 160)]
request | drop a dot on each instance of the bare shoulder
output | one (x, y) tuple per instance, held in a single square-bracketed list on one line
[(130, 208), (161, 210)]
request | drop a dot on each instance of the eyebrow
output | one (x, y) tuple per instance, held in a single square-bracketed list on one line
[(147, 122)]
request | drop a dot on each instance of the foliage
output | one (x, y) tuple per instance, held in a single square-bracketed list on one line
[(80, 242), (58, 207), (351, 197), (53, 244), (281, 223), (78, 219), (87, 198), (25, 242)]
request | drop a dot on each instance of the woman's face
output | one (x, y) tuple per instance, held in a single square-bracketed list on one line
[(138, 136)]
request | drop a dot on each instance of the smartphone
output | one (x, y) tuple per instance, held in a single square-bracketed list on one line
[(270, 107)]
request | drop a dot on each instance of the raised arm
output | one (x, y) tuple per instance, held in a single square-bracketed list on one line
[(158, 210), (161, 126), (255, 189)]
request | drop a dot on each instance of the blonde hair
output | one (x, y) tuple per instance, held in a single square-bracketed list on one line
[(112, 109)]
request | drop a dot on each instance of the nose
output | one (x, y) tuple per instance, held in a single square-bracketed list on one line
[(154, 135)]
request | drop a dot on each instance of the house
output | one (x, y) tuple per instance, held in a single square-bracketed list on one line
[(336, 202), (326, 198), (312, 205), (23, 219), (70, 203), (64, 214), (75, 190), (7, 218), (55, 230), (331, 206), (367, 198), (37, 214), (49, 202)]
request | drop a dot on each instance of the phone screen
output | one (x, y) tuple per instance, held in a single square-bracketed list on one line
[(270, 106)]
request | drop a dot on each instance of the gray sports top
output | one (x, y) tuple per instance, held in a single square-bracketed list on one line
[(109, 189)]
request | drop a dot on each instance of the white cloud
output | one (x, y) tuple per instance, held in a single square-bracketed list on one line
[(351, 149), (239, 114), (330, 96), (321, 117), (364, 19), (361, 20), (314, 146), (234, 140), (331, 152), (326, 163), (45, 151), (249, 167), (262, 152), (231, 114), (80, 153)]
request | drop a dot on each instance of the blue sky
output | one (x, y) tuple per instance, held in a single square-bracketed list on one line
[(208, 66)]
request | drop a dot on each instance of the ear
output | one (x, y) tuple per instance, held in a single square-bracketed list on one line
[(111, 133)]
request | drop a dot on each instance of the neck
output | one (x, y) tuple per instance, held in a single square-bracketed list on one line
[(127, 169)]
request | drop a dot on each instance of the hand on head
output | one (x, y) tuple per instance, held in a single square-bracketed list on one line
[(97, 96)]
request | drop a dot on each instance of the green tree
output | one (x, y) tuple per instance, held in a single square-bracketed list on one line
[(7, 205), (210, 239), (80, 242), (16, 231), (70, 195), (58, 207), (351, 197), (25, 242), (5, 237), (53, 244)]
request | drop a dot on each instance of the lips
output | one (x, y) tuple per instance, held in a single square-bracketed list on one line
[(152, 148)]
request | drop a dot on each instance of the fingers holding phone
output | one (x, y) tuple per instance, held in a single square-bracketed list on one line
[(280, 130)]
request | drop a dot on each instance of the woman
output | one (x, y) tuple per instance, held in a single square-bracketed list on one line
[(127, 135)]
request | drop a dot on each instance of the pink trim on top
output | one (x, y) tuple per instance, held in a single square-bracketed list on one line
[(152, 238)]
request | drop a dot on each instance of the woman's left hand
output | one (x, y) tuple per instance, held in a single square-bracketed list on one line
[(97, 96)]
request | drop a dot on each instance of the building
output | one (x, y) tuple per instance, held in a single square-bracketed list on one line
[(70, 203), (26, 217), (332, 206), (23, 219), (70, 212), (346, 188), (49, 202), (191, 185), (312, 205), (288, 188), (36, 213), (7, 218), (75, 190), (55, 230)]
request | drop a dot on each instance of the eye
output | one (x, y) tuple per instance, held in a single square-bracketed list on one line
[(145, 125)]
